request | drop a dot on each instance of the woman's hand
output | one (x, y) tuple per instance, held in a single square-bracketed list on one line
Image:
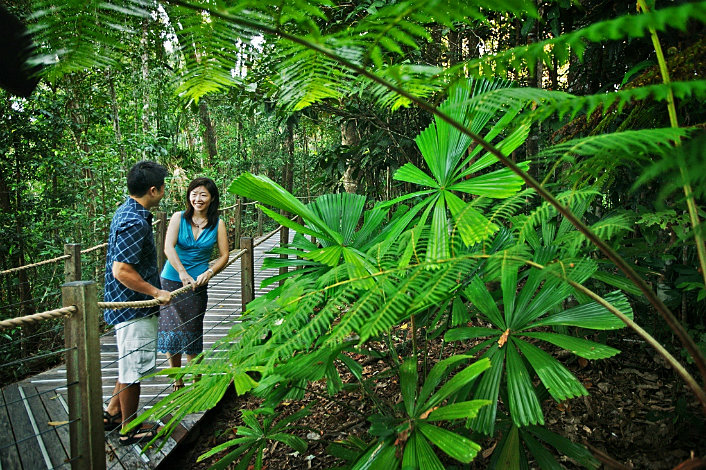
[(186, 279), (204, 277)]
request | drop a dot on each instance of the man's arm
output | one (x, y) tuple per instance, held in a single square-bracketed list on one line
[(126, 274)]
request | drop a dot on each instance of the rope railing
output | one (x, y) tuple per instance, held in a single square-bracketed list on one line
[(34, 265), (27, 319), (94, 248)]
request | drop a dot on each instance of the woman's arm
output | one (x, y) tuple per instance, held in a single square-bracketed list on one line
[(170, 242), (222, 255)]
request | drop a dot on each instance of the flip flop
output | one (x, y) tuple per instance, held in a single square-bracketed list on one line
[(139, 434), (112, 422)]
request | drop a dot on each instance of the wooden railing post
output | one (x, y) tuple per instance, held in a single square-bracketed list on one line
[(160, 237), (72, 266), (83, 376), (238, 223), (247, 271)]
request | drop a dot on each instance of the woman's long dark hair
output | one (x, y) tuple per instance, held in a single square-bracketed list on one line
[(212, 212)]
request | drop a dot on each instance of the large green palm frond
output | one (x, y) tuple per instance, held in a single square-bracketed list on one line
[(444, 149), (537, 304)]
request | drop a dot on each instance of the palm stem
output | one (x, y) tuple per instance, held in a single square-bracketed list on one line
[(611, 254), (672, 110)]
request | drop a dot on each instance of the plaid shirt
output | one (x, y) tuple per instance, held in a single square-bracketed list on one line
[(131, 241)]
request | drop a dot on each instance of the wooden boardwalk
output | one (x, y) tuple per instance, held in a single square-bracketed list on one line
[(33, 413)]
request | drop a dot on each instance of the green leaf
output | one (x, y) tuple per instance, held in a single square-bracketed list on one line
[(460, 410), (545, 460), (509, 458), (523, 403), (456, 382), (574, 451), (426, 457), (470, 332), (454, 445), (437, 373), (479, 296), (381, 455), (408, 383), (497, 184), (473, 226), (591, 315), (580, 347), (411, 174), (559, 382), (459, 313), (489, 389)]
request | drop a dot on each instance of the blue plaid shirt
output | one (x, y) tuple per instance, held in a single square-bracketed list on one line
[(131, 241)]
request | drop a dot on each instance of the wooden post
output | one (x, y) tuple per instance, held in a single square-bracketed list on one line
[(72, 266), (283, 241), (259, 222), (238, 224), (160, 237), (83, 376), (247, 272)]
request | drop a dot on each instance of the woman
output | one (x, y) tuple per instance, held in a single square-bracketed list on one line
[(189, 242)]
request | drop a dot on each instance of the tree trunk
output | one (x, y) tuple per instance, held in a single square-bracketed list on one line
[(145, 79), (350, 138), (116, 117), (209, 135)]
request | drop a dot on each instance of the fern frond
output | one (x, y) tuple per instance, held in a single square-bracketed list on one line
[(606, 228), (75, 35), (628, 26), (525, 224), (627, 145), (504, 209)]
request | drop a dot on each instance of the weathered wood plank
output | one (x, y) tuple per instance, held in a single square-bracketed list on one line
[(31, 454), (9, 455), (56, 412), (56, 450)]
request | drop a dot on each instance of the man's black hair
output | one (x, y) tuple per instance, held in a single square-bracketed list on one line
[(143, 175)]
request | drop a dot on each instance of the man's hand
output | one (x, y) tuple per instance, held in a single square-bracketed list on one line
[(163, 297)]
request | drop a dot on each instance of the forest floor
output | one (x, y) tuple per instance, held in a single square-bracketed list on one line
[(638, 414)]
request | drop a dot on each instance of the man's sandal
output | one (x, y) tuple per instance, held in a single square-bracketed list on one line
[(112, 422), (141, 434)]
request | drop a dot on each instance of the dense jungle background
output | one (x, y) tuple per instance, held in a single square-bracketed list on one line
[(565, 90)]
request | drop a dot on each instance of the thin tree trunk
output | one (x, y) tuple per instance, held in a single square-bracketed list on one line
[(209, 135), (116, 117), (350, 138), (145, 80)]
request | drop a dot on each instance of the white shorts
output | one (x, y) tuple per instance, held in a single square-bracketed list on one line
[(137, 348)]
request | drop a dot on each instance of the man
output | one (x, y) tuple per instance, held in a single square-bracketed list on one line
[(131, 274)]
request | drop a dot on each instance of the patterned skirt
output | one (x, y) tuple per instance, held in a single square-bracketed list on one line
[(181, 322)]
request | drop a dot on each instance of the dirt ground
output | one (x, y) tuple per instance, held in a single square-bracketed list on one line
[(638, 415)]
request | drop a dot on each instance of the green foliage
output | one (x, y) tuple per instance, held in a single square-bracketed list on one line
[(254, 437), (443, 148)]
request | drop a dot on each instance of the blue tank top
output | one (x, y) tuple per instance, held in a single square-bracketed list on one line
[(193, 254)]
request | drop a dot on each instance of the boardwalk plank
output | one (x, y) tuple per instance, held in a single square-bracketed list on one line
[(31, 454), (57, 452), (57, 413), (9, 456)]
